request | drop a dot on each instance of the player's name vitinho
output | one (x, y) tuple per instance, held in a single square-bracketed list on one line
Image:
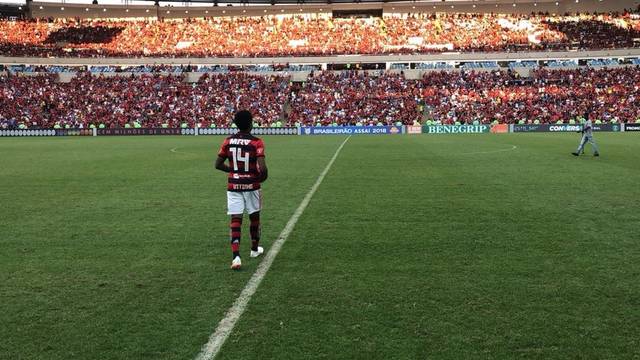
[(242, 186)]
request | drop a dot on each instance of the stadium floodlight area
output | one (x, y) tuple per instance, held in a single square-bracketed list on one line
[(197, 3), (439, 5)]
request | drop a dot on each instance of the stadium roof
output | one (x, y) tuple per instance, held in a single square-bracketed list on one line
[(297, 2), (631, 3)]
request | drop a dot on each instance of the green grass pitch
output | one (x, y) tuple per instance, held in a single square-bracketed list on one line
[(414, 247)]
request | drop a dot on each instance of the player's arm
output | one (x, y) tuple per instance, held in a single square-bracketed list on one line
[(264, 172), (221, 165), (262, 164), (222, 157)]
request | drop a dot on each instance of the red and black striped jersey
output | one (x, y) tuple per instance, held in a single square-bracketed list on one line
[(243, 151)]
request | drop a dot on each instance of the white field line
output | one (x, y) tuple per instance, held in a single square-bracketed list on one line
[(513, 147), (175, 149), (226, 325)]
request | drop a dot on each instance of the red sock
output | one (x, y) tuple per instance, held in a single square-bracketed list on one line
[(254, 229), (236, 231)]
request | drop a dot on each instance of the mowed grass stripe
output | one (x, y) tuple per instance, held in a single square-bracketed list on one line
[(226, 325), (415, 251), (117, 248)]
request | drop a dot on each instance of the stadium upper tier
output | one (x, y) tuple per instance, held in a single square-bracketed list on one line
[(325, 98), (317, 35)]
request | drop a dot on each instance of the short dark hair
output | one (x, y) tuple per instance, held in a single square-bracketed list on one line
[(243, 120)]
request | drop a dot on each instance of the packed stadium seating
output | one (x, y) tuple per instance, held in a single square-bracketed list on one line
[(138, 101), (351, 98), (316, 35), (327, 98), (548, 96)]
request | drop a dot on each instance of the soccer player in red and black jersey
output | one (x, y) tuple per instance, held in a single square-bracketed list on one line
[(247, 170)]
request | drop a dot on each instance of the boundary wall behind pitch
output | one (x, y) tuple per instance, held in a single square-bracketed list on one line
[(328, 130)]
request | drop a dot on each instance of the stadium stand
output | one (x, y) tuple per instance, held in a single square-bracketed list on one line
[(480, 65), (316, 35), (138, 101), (523, 64), (548, 96), (325, 98), (353, 98), (436, 65), (603, 62)]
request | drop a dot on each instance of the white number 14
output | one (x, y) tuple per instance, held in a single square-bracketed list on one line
[(238, 156)]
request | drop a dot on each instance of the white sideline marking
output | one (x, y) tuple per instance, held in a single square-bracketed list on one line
[(176, 151), (226, 325), (513, 147)]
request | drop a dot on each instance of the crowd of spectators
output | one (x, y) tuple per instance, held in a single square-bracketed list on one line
[(316, 34), (449, 97), (595, 33), (159, 68), (355, 98), (139, 101), (548, 96), (326, 98)]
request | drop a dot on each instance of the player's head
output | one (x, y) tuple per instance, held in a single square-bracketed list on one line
[(243, 120)]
